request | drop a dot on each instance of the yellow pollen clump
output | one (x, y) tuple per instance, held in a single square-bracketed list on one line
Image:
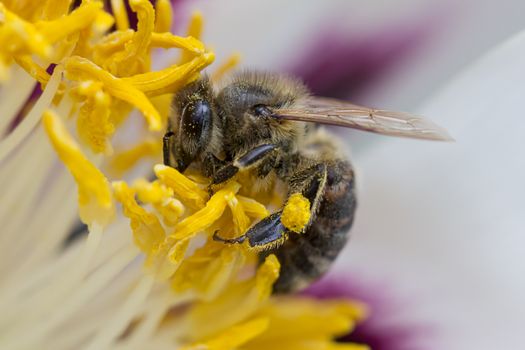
[(296, 213)]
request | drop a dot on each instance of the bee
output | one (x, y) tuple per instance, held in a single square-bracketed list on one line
[(268, 125)]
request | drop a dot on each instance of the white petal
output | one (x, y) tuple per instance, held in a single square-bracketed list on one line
[(448, 220), (271, 34)]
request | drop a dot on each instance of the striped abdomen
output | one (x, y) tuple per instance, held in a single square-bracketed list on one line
[(305, 257)]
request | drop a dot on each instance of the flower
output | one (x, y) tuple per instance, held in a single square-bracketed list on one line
[(165, 283), (384, 329)]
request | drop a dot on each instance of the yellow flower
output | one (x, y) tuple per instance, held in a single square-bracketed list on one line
[(158, 281)]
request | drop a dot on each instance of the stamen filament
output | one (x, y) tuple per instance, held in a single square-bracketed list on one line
[(14, 98), (121, 16), (21, 132), (164, 12), (121, 319)]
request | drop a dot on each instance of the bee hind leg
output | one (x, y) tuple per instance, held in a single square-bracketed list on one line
[(270, 233), (310, 183), (267, 234)]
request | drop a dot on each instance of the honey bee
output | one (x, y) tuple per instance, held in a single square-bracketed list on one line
[(268, 126)]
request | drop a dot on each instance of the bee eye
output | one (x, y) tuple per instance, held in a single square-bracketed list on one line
[(261, 111), (196, 119)]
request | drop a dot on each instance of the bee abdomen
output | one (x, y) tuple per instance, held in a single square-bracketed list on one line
[(306, 257)]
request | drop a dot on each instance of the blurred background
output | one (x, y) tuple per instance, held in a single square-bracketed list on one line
[(415, 44), (439, 230)]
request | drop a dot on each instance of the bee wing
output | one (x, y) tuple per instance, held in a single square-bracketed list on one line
[(334, 112)]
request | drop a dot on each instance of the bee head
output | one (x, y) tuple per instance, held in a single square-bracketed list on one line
[(193, 122)]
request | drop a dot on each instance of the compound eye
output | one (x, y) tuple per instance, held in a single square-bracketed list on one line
[(196, 119), (261, 111), (194, 133)]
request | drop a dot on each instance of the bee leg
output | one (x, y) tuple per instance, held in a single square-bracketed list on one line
[(268, 233), (252, 158), (311, 184), (167, 147), (211, 164)]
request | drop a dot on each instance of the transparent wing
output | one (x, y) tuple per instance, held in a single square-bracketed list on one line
[(334, 112)]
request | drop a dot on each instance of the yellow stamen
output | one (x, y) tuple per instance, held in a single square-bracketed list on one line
[(152, 192), (253, 208), (79, 68), (22, 36), (296, 213), (170, 79), (147, 230), (94, 194), (94, 124), (166, 259), (233, 337), (56, 8), (168, 40), (266, 276), (33, 69), (134, 58), (164, 13), (217, 268), (80, 18), (196, 25), (195, 31), (116, 41), (237, 302), (29, 12), (170, 210), (185, 189), (121, 15), (240, 219), (207, 215), (226, 67), (161, 197), (103, 23), (294, 322)]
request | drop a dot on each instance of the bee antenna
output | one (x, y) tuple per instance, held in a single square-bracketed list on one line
[(238, 240)]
